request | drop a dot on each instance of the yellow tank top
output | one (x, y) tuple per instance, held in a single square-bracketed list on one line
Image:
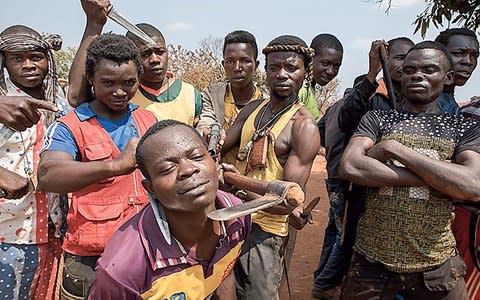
[(181, 108), (231, 112), (276, 224)]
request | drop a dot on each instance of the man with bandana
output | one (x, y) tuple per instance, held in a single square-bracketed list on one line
[(277, 139), (29, 247)]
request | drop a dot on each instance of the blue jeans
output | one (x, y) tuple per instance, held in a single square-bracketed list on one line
[(331, 268)]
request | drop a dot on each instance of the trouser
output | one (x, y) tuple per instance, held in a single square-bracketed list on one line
[(259, 269), (29, 271), (78, 276), (367, 280), (331, 267)]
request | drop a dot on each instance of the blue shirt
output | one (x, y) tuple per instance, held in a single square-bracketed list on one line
[(60, 138)]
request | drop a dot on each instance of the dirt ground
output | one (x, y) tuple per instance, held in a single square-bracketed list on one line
[(310, 239)]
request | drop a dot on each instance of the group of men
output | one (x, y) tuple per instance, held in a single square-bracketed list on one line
[(107, 196)]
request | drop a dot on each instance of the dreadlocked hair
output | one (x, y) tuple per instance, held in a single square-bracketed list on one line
[(293, 43)]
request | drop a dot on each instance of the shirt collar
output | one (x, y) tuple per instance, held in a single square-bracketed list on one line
[(160, 253), (84, 111)]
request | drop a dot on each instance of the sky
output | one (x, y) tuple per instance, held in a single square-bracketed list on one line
[(356, 23)]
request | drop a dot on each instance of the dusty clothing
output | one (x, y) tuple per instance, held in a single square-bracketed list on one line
[(29, 239), (408, 229), (259, 269), (97, 210), (139, 263), (367, 280), (466, 226), (176, 100), (219, 107), (275, 224), (270, 230)]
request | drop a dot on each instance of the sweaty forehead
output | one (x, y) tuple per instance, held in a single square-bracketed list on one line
[(171, 141), (421, 57)]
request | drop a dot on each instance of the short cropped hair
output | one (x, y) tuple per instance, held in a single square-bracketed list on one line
[(326, 40), (241, 36), (113, 47), (444, 36)]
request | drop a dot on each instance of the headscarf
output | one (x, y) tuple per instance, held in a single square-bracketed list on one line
[(25, 41)]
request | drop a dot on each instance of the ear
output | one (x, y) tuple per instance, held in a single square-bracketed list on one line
[(147, 184), (449, 77), (257, 63)]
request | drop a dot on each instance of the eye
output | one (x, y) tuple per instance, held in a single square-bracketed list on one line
[(37, 57), (16, 59), (198, 157), (273, 68), (291, 68), (407, 70), (458, 53), (160, 52), (107, 82), (429, 70), (246, 60), (131, 82), (167, 169)]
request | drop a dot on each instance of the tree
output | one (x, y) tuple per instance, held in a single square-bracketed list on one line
[(64, 59), (197, 67), (462, 13)]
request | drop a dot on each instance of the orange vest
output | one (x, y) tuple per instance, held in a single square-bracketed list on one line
[(98, 210)]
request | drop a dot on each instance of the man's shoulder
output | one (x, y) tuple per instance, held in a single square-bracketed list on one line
[(249, 109), (213, 87), (124, 258)]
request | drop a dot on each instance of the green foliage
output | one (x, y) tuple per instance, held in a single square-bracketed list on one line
[(64, 59), (461, 13)]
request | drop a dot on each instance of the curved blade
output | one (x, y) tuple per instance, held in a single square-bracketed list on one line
[(125, 23), (244, 209)]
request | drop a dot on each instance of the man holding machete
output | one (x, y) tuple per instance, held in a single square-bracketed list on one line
[(171, 249)]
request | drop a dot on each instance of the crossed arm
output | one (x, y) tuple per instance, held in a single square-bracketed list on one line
[(363, 163)]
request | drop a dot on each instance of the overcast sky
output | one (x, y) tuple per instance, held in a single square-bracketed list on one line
[(355, 22)]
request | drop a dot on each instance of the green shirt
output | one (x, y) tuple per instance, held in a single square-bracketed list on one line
[(309, 99)]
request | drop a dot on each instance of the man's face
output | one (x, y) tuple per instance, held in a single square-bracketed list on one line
[(424, 74), (396, 56), (114, 85), (154, 61), (285, 72), (182, 175), (326, 64), (239, 64), (464, 52), (27, 68)]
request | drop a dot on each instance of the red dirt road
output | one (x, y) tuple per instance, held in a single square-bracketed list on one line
[(310, 239)]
